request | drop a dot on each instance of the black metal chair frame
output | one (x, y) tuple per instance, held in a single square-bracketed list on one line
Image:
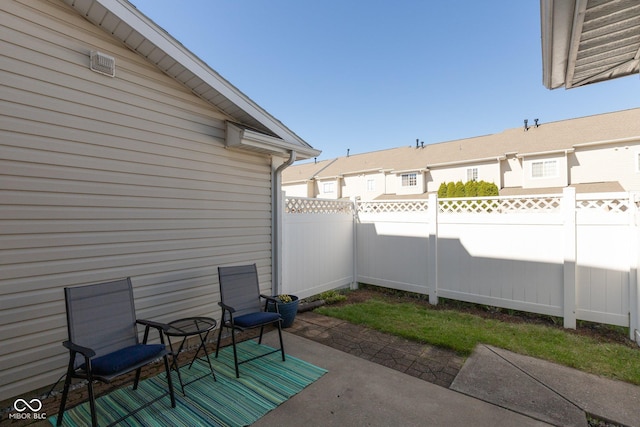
[(229, 311), (81, 356)]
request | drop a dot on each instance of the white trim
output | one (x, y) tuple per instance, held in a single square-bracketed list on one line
[(239, 137), (465, 162), (555, 175), (607, 141), (564, 151)]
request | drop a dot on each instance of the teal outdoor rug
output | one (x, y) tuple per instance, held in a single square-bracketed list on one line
[(264, 384)]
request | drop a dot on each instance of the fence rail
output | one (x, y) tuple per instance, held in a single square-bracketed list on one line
[(574, 256)]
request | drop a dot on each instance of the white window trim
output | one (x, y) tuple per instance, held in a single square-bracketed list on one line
[(328, 187), (473, 172), (371, 184), (544, 163), (412, 179)]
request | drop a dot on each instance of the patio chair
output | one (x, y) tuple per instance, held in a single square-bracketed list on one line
[(242, 307), (103, 340)]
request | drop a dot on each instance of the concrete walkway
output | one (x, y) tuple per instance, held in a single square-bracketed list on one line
[(502, 380), (358, 392)]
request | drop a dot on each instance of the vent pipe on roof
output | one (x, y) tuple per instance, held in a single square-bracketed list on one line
[(535, 121), (526, 125), (416, 142), (348, 149), (421, 144)]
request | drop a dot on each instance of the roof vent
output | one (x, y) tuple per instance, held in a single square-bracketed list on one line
[(103, 64)]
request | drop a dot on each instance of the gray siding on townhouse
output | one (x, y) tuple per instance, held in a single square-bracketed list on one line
[(102, 178)]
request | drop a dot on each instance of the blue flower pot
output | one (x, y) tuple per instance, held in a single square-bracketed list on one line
[(287, 310)]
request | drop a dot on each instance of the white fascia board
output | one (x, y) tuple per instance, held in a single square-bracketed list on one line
[(161, 39), (363, 171), (467, 162), (420, 170), (607, 141), (239, 137), (546, 153), (556, 21)]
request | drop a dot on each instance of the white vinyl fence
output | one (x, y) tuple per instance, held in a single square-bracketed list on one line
[(567, 255), (318, 246)]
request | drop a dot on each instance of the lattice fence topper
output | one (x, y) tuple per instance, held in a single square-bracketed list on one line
[(323, 206), (393, 206), (500, 205), (614, 205)]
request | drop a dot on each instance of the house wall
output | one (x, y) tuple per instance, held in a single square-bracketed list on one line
[(610, 162), (511, 169), (297, 190), (489, 172), (419, 188), (329, 188), (358, 185), (103, 178), (560, 179)]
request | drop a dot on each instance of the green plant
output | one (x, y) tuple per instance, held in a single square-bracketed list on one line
[(470, 189), (442, 190), (284, 298), (332, 297)]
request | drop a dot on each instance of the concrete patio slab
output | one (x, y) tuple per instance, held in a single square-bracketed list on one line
[(358, 392)]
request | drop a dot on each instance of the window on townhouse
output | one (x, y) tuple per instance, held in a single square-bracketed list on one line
[(544, 169), (472, 174), (371, 185), (328, 187), (409, 179)]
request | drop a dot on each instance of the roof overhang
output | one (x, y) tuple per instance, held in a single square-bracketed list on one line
[(588, 41), (238, 136), (125, 22)]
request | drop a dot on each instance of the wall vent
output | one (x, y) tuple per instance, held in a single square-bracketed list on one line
[(103, 64)]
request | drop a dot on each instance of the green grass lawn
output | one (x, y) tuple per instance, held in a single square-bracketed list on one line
[(461, 332)]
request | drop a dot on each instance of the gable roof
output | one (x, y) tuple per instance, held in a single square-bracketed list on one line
[(126, 23), (588, 41), (553, 137)]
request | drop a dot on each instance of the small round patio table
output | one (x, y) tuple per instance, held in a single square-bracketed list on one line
[(190, 327)]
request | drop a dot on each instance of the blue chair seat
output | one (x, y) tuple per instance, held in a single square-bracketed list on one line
[(256, 319), (124, 358)]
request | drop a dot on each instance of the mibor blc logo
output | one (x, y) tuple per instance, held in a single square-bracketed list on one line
[(27, 410)]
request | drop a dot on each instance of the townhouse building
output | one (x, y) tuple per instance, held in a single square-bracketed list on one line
[(599, 153)]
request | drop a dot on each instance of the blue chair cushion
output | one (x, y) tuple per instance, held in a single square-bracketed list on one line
[(256, 319), (124, 358)]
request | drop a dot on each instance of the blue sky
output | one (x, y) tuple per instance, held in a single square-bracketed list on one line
[(368, 75)]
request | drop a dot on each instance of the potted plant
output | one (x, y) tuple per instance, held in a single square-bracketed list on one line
[(287, 307)]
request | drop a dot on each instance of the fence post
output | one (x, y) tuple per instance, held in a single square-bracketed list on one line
[(634, 277), (354, 270), (570, 247), (432, 251)]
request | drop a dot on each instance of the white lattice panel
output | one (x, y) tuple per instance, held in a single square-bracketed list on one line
[(500, 205), (322, 206), (616, 205), (393, 206)]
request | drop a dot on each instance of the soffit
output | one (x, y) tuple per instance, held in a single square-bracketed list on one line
[(589, 41)]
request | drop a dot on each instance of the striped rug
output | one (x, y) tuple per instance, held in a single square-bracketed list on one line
[(264, 384)]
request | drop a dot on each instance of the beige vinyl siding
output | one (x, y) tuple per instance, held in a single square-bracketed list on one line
[(610, 162), (102, 178)]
